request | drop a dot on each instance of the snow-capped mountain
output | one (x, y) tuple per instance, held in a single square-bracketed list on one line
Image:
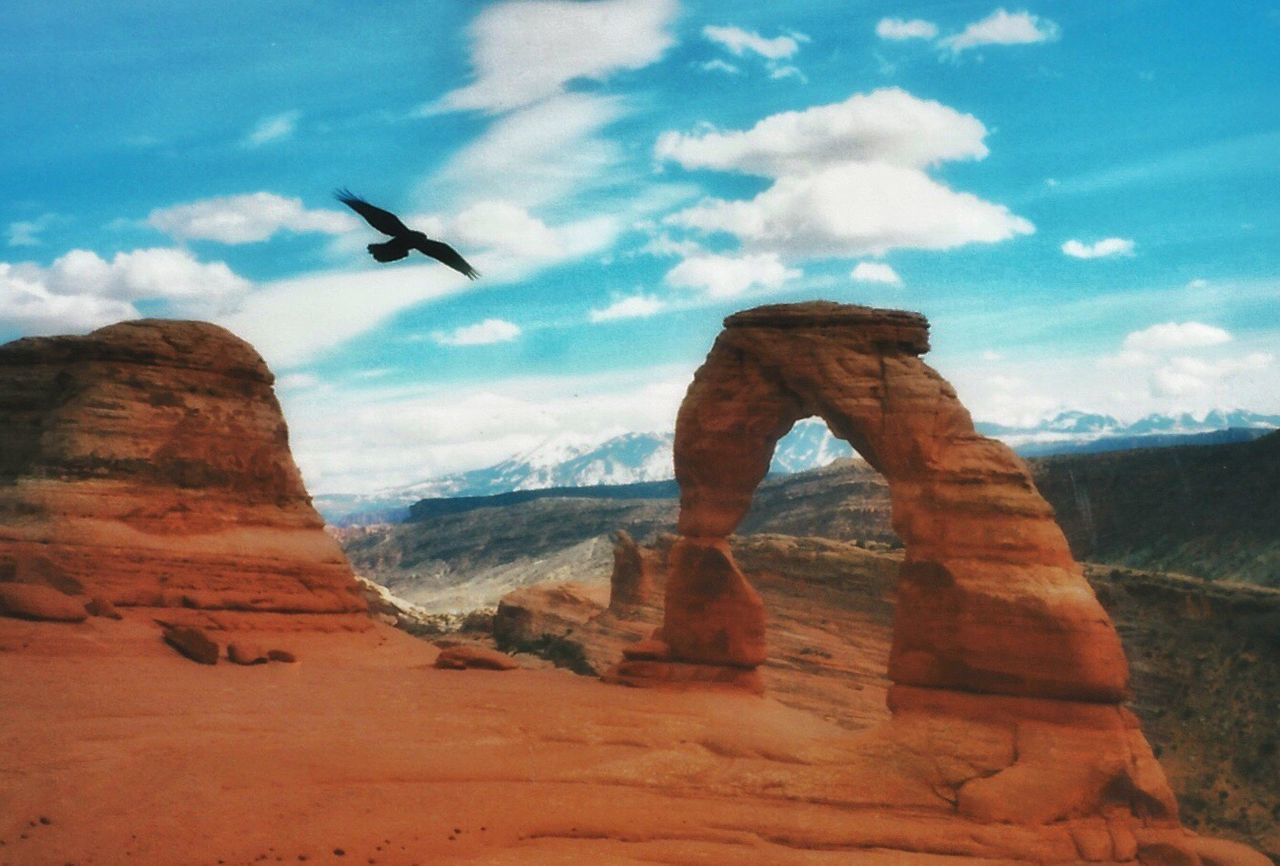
[(576, 461), (1078, 427)]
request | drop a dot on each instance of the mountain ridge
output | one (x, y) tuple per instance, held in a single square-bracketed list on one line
[(629, 458)]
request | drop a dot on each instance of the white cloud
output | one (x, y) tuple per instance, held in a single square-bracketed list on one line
[(1100, 249), (242, 219), (393, 435), (511, 230), (633, 307), (855, 210), (277, 127), (524, 52), (740, 42), (887, 125), (875, 272), (778, 73), (542, 154), (991, 356), (1175, 335), (898, 29), (1198, 283), (719, 276), (1190, 377), (718, 65), (480, 334), (663, 245), (1003, 28), (26, 233), (81, 291)]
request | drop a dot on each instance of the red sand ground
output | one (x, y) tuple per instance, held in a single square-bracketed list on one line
[(116, 750)]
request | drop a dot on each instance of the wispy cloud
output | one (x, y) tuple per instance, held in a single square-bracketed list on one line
[(633, 307), (26, 233), (277, 127), (718, 65), (741, 42), (1098, 249), (524, 52)]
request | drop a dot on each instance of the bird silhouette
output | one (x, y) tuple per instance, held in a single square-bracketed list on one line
[(403, 238)]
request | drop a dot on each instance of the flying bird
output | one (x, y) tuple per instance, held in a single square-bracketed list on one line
[(403, 238)]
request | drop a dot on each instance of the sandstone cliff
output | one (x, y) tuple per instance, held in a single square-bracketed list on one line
[(148, 463)]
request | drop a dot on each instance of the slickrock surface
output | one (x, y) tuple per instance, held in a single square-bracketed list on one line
[(148, 463), (139, 756)]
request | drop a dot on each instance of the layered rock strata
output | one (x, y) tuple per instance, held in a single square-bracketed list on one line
[(1008, 676), (990, 599), (147, 464)]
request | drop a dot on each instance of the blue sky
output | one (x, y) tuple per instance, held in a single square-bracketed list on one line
[(1081, 196)]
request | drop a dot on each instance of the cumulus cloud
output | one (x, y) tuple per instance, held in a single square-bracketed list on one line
[(740, 42), (633, 307), (1099, 249), (887, 125), (1003, 28), (480, 334), (80, 290), (1175, 335), (720, 276), (849, 179), (875, 272), (243, 219), (854, 210), (524, 52), (277, 127), (898, 29)]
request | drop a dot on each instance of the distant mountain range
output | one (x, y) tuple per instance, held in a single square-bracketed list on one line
[(646, 457)]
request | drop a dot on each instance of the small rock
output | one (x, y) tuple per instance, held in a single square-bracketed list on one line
[(102, 606), (465, 656), (246, 653), (279, 655), (192, 643), (38, 602)]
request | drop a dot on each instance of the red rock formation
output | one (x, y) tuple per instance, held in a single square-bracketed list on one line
[(1008, 675), (990, 599), (632, 580), (148, 464)]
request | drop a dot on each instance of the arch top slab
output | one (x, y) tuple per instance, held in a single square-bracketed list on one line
[(990, 599)]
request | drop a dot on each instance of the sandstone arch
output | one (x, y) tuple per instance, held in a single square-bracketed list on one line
[(989, 597)]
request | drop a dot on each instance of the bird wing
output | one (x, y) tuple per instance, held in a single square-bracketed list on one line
[(442, 252), (382, 220)]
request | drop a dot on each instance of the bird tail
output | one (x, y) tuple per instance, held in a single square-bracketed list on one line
[(393, 250)]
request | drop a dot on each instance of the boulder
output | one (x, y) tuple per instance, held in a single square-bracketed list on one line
[(244, 653), (468, 656), (34, 601), (192, 643)]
